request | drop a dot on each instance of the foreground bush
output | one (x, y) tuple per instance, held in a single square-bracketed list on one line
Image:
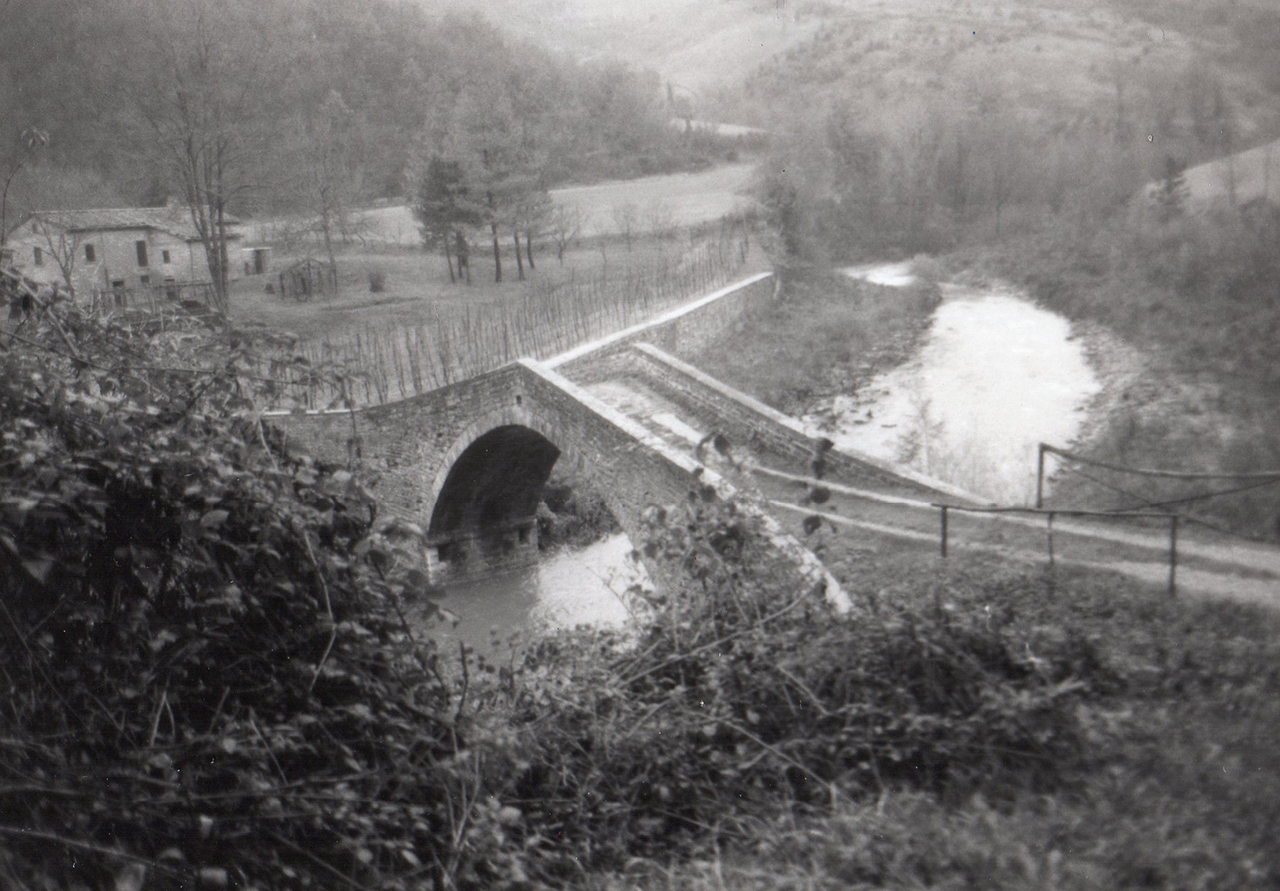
[(208, 682), (738, 701), (203, 671)]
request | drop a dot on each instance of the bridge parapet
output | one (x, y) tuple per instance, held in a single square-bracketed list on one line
[(685, 328)]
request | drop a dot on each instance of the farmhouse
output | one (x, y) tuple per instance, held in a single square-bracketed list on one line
[(120, 247)]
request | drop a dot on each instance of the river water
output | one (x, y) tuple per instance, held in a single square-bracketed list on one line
[(995, 376), (570, 587)]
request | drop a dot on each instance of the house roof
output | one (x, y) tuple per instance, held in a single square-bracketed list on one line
[(176, 221)]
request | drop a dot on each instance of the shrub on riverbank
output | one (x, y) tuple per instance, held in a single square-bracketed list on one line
[(572, 515)]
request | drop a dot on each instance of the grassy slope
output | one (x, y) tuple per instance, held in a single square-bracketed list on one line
[(1195, 296), (828, 336)]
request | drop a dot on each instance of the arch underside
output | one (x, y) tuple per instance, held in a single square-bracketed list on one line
[(490, 483), (496, 482), (489, 499)]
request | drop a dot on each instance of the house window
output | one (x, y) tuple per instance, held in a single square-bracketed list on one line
[(39, 256), (164, 257), (141, 247), (144, 279), (89, 255)]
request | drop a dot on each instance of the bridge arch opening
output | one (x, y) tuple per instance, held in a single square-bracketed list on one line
[(487, 486), (488, 501)]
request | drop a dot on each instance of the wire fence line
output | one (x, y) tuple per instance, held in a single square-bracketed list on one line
[(944, 509), (385, 364), (1252, 480)]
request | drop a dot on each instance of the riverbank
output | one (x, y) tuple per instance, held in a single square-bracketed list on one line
[(829, 335), (1185, 347)]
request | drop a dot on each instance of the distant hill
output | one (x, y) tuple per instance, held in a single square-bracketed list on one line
[(1070, 64), (695, 44), (1159, 68)]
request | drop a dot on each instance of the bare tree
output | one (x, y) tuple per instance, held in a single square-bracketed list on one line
[(567, 223), (64, 247), (330, 170), (626, 217), (662, 219), (32, 139), (198, 93)]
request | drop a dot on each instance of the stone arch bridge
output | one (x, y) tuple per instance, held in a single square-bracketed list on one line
[(468, 461)]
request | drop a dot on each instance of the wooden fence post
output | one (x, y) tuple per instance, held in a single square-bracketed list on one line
[(944, 530), (1040, 478), (1173, 555), (1050, 533)]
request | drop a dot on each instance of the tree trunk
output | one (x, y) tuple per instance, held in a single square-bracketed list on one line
[(515, 236), (448, 258), (464, 255), (528, 247), (497, 254), (326, 223)]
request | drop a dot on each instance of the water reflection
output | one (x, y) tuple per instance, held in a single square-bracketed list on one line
[(586, 586)]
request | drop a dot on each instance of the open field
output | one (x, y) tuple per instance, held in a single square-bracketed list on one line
[(679, 199), (417, 287), (1235, 179)]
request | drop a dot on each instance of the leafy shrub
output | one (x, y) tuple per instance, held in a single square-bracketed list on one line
[(204, 669), (739, 699), (571, 514)]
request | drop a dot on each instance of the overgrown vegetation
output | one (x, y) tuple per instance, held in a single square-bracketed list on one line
[(572, 514), (207, 681), (1179, 785)]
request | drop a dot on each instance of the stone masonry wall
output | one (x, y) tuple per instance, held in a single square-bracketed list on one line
[(412, 444)]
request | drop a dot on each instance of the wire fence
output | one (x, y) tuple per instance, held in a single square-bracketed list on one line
[(945, 510), (1168, 488), (1136, 510), (386, 364)]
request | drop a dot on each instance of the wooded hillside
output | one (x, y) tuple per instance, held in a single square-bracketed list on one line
[(298, 97)]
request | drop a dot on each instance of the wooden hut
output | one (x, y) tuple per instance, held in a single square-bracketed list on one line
[(308, 277)]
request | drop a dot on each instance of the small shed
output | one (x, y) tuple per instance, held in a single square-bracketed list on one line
[(308, 277)]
